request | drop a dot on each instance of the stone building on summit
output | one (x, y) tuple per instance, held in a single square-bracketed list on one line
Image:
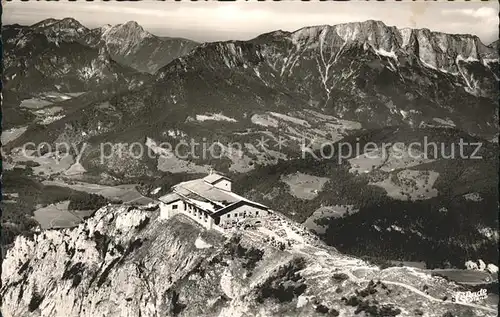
[(210, 202)]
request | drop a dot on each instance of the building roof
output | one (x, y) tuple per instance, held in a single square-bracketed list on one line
[(202, 204), (206, 190), (214, 178), (231, 207), (202, 191), (170, 198)]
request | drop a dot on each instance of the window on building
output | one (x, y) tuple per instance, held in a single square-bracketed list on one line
[(229, 215), (174, 206), (257, 213)]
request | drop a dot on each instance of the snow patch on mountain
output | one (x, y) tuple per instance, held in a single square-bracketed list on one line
[(125, 36), (214, 117)]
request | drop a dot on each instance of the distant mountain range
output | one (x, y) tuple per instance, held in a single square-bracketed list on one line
[(48, 57), (364, 72), (129, 44)]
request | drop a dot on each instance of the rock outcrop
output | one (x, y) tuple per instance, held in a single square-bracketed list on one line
[(124, 261)]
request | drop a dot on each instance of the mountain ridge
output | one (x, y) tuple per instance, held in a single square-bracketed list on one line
[(389, 39), (371, 22), (128, 43)]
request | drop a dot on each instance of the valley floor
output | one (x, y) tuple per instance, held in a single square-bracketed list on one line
[(128, 194)]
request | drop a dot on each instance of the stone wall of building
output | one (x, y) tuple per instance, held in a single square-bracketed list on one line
[(203, 218), (200, 216), (242, 212)]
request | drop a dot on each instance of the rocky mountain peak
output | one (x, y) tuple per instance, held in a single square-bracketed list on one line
[(67, 29), (70, 22), (129, 44), (133, 25), (66, 23), (126, 35), (44, 23)]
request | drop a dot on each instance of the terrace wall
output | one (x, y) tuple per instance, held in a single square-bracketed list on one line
[(199, 215)]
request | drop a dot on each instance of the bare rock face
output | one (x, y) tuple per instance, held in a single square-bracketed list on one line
[(124, 261), (70, 57), (434, 49)]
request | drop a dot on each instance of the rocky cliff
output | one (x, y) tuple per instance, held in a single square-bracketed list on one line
[(124, 261)]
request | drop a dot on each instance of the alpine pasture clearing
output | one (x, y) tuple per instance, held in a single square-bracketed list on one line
[(325, 213), (128, 194), (410, 185), (388, 159), (304, 186), (58, 216)]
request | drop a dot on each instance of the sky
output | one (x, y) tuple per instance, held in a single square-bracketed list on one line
[(206, 21)]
